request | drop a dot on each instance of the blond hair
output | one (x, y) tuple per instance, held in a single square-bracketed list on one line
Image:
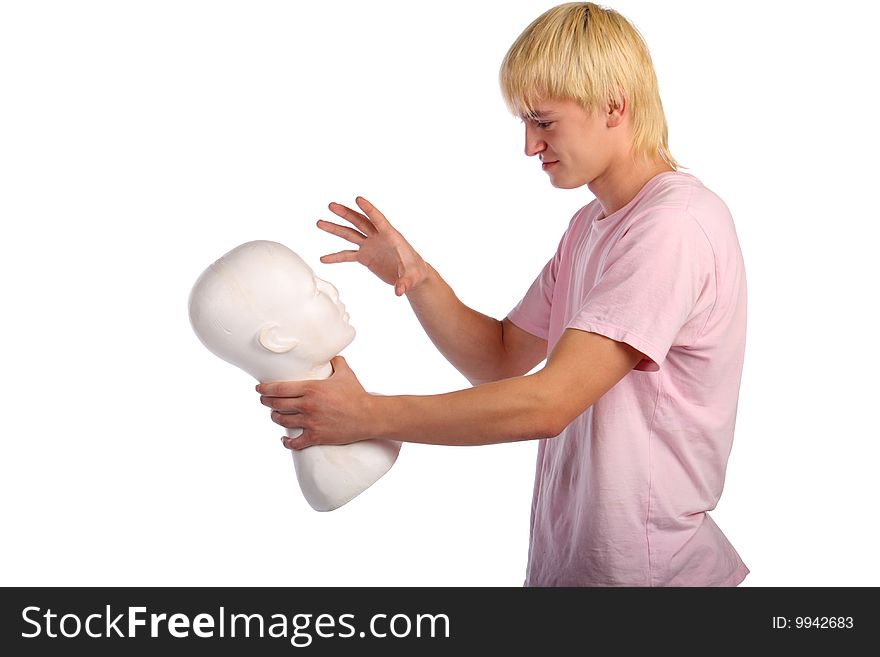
[(594, 56)]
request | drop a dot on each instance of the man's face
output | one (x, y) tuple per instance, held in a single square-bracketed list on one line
[(574, 146)]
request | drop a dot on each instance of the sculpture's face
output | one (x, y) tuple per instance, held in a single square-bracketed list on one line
[(262, 308), (319, 320)]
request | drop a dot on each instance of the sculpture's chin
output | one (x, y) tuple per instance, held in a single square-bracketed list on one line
[(341, 339), (346, 335)]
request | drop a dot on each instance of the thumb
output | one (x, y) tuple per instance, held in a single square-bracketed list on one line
[(339, 364), (400, 287)]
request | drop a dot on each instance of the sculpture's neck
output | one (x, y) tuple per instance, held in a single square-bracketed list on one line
[(273, 370), (320, 372)]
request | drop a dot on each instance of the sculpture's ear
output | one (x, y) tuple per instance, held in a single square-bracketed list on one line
[(273, 338)]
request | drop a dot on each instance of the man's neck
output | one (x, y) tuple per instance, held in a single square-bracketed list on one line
[(622, 180)]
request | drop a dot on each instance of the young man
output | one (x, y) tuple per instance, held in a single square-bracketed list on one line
[(640, 314)]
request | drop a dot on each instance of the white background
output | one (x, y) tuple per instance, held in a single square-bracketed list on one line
[(139, 141)]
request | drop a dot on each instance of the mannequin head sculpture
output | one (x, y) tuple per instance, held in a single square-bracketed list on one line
[(261, 308)]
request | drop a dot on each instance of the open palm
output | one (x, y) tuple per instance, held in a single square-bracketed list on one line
[(381, 248)]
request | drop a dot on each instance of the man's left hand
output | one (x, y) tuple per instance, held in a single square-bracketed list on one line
[(335, 411)]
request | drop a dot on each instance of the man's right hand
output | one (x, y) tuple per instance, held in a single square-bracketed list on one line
[(483, 349), (381, 249)]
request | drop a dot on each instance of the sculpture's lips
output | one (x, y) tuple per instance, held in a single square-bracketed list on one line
[(345, 317)]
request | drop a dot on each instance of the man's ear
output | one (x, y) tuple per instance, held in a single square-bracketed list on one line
[(615, 111), (273, 338)]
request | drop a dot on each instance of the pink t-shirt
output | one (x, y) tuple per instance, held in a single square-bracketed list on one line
[(621, 495)]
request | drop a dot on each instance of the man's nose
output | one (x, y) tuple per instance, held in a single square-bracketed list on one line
[(534, 143)]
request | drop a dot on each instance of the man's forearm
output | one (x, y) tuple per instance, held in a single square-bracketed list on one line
[(470, 341), (519, 408)]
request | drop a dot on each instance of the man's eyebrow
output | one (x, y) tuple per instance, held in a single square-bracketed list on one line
[(538, 114)]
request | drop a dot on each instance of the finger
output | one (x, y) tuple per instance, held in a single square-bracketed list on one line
[(282, 388), (356, 218), (283, 404), (287, 420), (346, 233), (378, 219), (300, 442), (340, 256)]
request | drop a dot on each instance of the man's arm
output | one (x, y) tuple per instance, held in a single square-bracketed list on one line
[(582, 368), (481, 348)]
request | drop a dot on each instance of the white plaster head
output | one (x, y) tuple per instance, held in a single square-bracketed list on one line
[(261, 308)]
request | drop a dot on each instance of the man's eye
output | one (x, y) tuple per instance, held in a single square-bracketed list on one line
[(543, 125)]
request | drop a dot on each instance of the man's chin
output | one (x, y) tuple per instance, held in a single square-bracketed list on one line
[(567, 184)]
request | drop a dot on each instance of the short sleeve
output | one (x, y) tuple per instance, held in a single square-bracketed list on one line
[(656, 287), (532, 313)]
